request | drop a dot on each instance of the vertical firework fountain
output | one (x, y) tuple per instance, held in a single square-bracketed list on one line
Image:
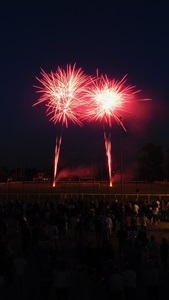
[(107, 100), (64, 93), (108, 147)]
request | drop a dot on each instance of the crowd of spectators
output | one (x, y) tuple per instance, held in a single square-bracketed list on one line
[(110, 242)]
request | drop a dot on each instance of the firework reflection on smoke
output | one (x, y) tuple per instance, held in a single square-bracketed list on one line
[(64, 93), (108, 99), (77, 172)]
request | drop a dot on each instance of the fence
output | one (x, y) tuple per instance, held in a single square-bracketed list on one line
[(64, 196), (64, 190)]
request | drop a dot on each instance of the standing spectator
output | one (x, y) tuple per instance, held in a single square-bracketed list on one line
[(130, 253), (114, 223), (116, 284), (155, 215), (167, 209), (81, 283), (136, 208), (152, 247), (61, 281), (122, 236), (158, 204), (128, 221), (19, 265), (26, 236), (105, 235), (45, 268), (140, 246), (35, 233), (144, 222), (164, 252), (151, 279), (2, 277), (136, 222), (98, 230), (150, 214), (110, 225), (163, 210), (129, 281)]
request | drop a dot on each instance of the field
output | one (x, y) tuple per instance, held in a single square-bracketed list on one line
[(66, 189)]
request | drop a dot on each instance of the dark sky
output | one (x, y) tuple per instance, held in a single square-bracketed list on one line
[(117, 37)]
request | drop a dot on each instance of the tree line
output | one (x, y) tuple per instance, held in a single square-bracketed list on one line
[(153, 164)]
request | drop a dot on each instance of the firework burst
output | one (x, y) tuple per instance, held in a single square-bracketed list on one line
[(108, 99), (64, 93)]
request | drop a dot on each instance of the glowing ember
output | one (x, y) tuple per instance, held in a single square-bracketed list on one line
[(64, 93)]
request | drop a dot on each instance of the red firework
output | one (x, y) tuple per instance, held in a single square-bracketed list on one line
[(64, 93), (70, 95), (107, 101), (108, 98)]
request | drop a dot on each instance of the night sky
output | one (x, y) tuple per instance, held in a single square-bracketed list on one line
[(118, 38)]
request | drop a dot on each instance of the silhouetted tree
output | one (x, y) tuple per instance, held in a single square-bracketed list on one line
[(151, 163), (166, 165), (3, 173)]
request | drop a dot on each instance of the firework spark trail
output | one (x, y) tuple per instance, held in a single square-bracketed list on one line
[(107, 139), (57, 151), (64, 93), (107, 100)]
